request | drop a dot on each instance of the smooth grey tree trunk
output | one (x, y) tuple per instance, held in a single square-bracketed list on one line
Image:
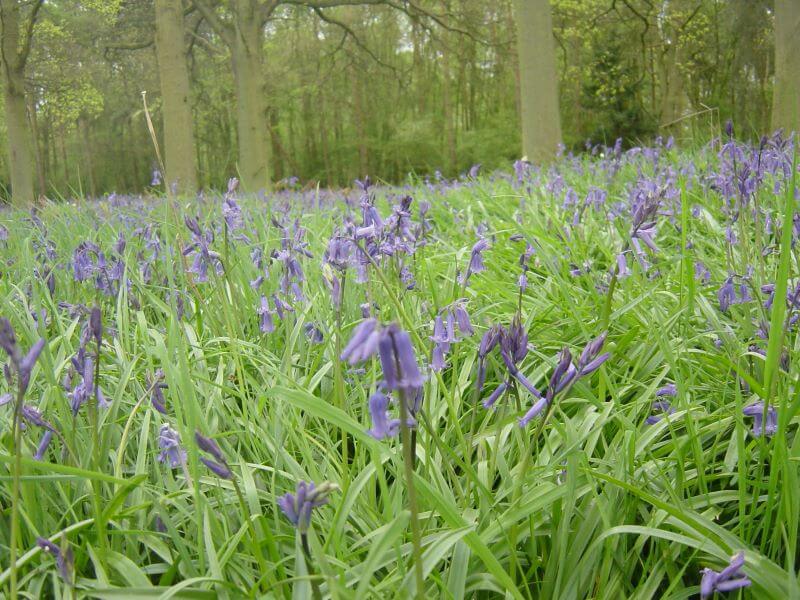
[(540, 118), (173, 72), (20, 155), (786, 91), (251, 101)]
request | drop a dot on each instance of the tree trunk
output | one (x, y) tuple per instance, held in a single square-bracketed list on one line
[(20, 157), (786, 92), (541, 124), (37, 149), (88, 164), (173, 73), (251, 104)]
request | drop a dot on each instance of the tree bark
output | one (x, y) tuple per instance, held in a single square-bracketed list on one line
[(20, 155), (173, 72), (251, 104), (786, 91), (541, 122)]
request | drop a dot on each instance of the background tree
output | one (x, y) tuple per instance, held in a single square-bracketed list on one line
[(538, 85), (179, 146), (17, 20), (786, 94)]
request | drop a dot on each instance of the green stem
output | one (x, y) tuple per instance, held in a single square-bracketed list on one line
[(16, 489), (408, 464)]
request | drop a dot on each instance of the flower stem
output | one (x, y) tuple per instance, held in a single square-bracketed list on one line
[(17, 426), (408, 464)]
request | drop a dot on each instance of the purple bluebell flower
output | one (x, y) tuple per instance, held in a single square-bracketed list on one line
[(728, 579), (65, 560), (756, 410), (669, 389), (172, 452), (659, 408), (701, 273), (297, 507), (231, 211), (565, 374), (363, 343), (382, 425), (622, 266), (265, 314), (23, 365), (591, 358), (495, 395), (442, 341), (218, 466), (489, 340), (200, 248), (462, 319), (313, 333), (365, 310), (398, 360), (157, 386), (475, 260), (726, 295), (44, 444)]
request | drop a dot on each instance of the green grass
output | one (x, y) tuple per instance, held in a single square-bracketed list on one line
[(607, 506)]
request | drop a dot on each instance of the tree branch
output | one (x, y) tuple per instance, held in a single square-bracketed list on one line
[(350, 33), (406, 6), (220, 27), (22, 56), (140, 45)]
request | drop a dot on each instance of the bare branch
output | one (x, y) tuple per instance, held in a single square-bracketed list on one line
[(22, 57), (220, 27), (138, 45), (351, 34), (406, 6)]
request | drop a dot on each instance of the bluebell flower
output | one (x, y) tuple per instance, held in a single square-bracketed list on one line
[(756, 410), (44, 444), (669, 389), (398, 360), (382, 425), (659, 408), (475, 260), (363, 343), (218, 466), (297, 507), (65, 560), (157, 386), (729, 579), (566, 373), (265, 314), (172, 452), (726, 295)]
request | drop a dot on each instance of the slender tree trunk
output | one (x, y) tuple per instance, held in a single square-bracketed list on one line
[(541, 122), (20, 156), (173, 73), (251, 104), (88, 164), (37, 148), (323, 140), (786, 92), (361, 128), (451, 160), (276, 150)]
